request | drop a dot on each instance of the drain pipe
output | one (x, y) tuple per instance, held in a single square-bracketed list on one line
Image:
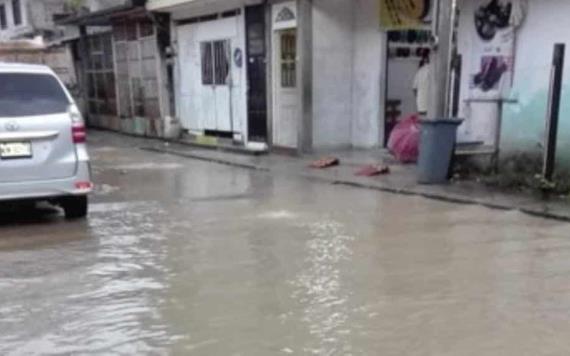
[(553, 112)]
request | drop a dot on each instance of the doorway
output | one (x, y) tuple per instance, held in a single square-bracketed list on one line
[(207, 84), (215, 85), (256, 73), (285, 132), (406, 48)]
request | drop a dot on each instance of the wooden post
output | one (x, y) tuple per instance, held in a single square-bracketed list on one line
[(442, 37), (553, 111)]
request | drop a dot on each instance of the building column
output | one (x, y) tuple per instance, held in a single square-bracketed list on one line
[(441, 58), (305, 74)]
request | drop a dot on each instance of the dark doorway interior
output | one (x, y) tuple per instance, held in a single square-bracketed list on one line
[(256, 71)]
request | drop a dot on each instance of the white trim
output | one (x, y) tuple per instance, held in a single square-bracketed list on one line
[(277, 10)]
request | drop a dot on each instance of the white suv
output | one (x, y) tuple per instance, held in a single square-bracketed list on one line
[(43, 156)]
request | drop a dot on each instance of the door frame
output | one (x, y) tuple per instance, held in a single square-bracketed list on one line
[(257, 13), (277, 26), (239, 84)]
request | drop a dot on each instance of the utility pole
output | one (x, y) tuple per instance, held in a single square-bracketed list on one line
[(443, 24)]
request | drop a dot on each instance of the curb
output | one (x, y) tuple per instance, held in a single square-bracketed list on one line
[(398, 191), (205, 159)]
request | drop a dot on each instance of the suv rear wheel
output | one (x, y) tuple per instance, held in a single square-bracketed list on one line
[(75, 207)]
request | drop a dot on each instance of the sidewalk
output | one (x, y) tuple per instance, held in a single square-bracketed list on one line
[(401, 180)]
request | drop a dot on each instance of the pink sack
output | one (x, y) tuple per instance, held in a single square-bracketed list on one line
[(405, 140)]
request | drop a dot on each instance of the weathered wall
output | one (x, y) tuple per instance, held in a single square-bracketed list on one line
[(333, 35), (13, 30), (368, 76), (524, 122), (348, 57), (57, 58), (239, 89)]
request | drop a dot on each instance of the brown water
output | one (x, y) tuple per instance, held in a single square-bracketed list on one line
[(182, 257)]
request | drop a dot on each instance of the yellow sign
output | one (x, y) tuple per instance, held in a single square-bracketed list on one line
[(403, 14)]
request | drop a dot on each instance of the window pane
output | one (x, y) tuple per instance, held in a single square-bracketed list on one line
[(222, 62), (207, 64), (3, 20), (17, 12), (288, 60), (146, 28), (132, 33), (107, 52), (31, 94), (120, 31), (92, 93)]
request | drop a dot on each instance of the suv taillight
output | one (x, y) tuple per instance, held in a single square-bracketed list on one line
[(78, 133)]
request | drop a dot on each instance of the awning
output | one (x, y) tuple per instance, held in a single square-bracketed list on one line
[(157, 5), (103, 17)]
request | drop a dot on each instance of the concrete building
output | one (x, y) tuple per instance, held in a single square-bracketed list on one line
[(324, 69), (30, 18), (335, 79), (219, 51), (120, 55), (28, 34), (539, 25)]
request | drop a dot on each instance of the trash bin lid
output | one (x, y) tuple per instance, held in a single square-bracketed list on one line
[(448, 121)]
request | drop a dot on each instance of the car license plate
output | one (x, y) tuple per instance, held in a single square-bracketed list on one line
[(15, 150)]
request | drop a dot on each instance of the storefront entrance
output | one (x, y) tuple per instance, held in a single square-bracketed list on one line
[(206, 75), (285, 86), (405, 52)]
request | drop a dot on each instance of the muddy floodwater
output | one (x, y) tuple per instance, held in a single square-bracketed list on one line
[(182, 257)]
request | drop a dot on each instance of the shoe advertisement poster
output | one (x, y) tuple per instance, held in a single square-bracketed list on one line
[(404, 15), (493, 50)]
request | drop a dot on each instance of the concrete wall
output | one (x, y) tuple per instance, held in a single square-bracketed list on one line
[(239, 91), (37, 16), (524, 122), (368, 92), (13, 30), (333, 44), (348, 54), (57, 58)]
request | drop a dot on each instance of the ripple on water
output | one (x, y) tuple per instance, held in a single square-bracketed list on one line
[(110, 302), (319, 287)]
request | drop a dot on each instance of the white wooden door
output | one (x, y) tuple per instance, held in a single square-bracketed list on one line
[(223, 84), (206, 74), (286, 113)]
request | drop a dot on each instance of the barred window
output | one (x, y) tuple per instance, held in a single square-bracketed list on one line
[(215, 58)]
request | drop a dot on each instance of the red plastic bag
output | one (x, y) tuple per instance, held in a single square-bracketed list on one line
[(404, 140)]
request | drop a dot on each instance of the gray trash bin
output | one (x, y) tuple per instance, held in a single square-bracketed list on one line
[(437, 144)]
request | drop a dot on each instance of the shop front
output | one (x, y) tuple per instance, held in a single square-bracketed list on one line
[(122, 69), (220, 80)]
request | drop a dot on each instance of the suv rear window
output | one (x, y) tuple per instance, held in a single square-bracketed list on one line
[(26, 94)]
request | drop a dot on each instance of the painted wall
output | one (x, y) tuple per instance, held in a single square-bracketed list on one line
[(368, 92), (333, 35), (524, 122), (348, 54), (14, 31), (37, 16), (239, 91)]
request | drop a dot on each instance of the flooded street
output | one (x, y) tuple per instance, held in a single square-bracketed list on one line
[(183, 257)]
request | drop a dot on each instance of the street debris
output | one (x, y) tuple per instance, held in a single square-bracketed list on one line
[(373, 170), (325, 162)]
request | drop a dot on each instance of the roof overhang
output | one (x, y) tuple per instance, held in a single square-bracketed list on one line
[(104, 17), (165, 5)]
